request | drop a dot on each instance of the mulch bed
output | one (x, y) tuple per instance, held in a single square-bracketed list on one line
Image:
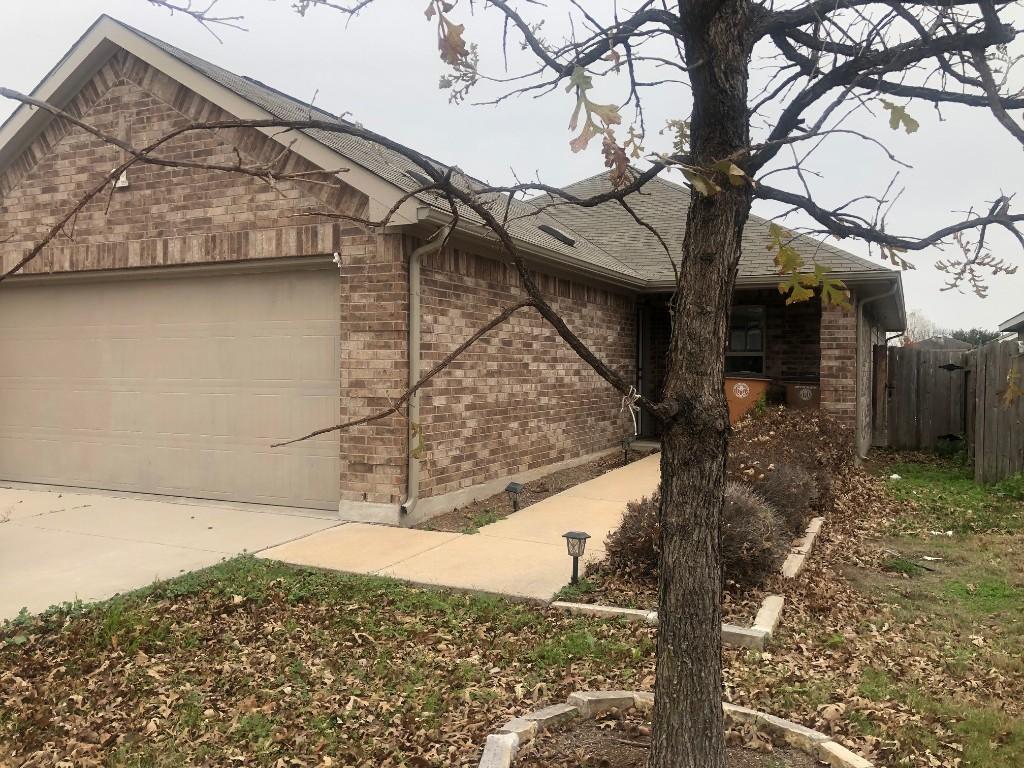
[(468, 518), (622, 740)]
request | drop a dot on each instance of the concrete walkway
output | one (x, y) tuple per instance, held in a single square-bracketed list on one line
[(58, 546), (521, 556)]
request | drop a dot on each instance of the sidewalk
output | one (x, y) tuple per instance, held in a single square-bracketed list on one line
[(520, 556)]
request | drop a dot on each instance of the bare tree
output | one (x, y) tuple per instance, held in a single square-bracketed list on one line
[(770, 85), (920, 326)]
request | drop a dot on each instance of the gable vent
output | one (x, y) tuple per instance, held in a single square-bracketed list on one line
[(557, 234)]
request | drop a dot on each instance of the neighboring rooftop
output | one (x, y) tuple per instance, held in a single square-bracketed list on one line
[(1013, 325), (942, 343)]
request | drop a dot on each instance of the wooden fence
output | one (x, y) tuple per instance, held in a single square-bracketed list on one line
[(996, 434), (921, 397)]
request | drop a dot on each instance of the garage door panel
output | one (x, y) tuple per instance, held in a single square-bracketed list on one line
[(174, 385)]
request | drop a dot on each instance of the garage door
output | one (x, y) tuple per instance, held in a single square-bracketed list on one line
[(173, 385)]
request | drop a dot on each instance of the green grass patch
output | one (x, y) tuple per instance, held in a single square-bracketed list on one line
[(948, 499), (987, 595), (904, 566), (573, 593), (480, 519), (281, 663)]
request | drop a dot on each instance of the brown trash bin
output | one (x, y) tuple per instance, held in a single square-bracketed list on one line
[(804, 395), (742, 393)]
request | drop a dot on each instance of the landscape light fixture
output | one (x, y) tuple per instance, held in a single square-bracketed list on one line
[(514, 491), (627, 442), (576, 543)]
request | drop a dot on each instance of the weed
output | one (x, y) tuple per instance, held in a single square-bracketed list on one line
[(480, 519), (902, 565), (573, 592)]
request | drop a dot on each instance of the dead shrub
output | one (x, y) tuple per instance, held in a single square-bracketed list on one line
[(754, 537), (792, 491), (633, 547), (811, 439)]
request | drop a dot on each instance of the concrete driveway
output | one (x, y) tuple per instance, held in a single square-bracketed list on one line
[(57, 546)]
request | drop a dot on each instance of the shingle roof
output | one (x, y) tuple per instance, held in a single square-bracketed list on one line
[(662, 205), (605, 237)]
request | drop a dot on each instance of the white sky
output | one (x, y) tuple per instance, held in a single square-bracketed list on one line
[(383, 69)]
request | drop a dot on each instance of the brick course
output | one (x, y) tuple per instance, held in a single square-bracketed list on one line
[(521, 398)]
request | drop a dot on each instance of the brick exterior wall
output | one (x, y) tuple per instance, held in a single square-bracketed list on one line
[(839, 363), (374, 368), (521, 398), (792, 338), (165, 215)]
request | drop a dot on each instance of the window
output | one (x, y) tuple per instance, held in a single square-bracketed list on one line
[(745, 350)]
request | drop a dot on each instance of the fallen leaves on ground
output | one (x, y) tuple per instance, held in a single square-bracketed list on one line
[(254, 663)]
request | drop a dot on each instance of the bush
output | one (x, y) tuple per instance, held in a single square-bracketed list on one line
[(792, 491), (754, 537), (811, 439), (633, 547)]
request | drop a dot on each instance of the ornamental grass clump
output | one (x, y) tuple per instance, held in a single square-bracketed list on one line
[(754, 539), (632, 548), (793, 491)]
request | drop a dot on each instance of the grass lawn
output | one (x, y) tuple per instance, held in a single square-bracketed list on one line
[(254, 663), (908, 644), (905, 645)]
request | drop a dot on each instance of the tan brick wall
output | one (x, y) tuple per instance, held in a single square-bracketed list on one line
[(521, 398), (374, 368), (165, 215), (839, 363)]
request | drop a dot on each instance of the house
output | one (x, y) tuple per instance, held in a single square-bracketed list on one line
[(191, 318), (1014, 325), (942, 343)]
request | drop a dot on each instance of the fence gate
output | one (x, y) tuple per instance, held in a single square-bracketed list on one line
[(924, 396)]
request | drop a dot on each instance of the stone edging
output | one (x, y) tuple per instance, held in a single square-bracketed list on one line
[(802, 547), (768, 615), (755, 637), (501, 747)]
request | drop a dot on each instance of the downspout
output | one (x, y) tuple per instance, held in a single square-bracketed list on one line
[(415, 431)]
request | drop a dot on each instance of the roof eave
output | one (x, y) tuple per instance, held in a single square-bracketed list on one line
[(1015, 323), (550, 256)]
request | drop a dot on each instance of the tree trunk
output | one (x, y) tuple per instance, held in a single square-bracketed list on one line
[(688, 729)]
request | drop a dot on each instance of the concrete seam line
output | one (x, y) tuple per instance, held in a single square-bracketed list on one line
[(500, 748)]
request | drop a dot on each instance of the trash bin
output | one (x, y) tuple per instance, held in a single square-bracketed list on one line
[(803, 395), (742, 393)]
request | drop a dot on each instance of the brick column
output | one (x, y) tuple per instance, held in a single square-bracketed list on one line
[(374, 371), (839, 363)]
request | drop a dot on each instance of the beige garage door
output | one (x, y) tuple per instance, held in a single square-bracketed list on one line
[(173, 385)]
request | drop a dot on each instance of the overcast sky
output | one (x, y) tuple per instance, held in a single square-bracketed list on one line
[(383, 69)]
